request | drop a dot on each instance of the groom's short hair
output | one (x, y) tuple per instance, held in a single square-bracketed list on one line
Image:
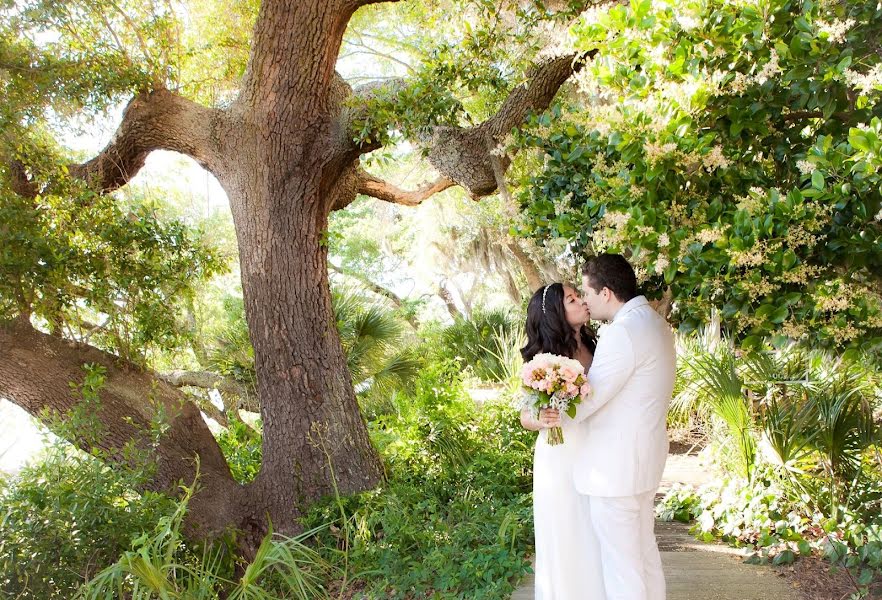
[(614, 272)]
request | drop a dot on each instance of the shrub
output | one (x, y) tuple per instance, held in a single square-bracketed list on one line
[(472, 342), (68, 514), (62, 519), (242, 449), (455, 517)]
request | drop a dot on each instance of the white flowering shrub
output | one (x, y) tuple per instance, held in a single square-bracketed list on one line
[(733, 150)]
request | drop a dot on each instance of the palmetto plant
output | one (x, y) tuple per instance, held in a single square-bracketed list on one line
[(506, 348), (160, 567), (473, 341), (846, 430), (786, 414), (812, 416), (716, 391), (379, 359)]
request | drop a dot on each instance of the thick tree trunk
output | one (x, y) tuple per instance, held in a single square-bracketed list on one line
[(35, 373), (311, 420), (292, 169)]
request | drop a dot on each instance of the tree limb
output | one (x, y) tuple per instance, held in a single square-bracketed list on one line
[(36, 370), (466, 155), (535, 94), (20, 181), (375, 288), (531, 271), (204, 379), (449, 303), (158, 120), (383, 190)]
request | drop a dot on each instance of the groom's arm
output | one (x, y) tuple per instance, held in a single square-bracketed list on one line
[(613, 364)]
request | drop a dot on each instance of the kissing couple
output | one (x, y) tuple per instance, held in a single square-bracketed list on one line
[(593, 495)]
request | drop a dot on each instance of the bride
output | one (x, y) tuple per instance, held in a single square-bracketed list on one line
[(567, 562)]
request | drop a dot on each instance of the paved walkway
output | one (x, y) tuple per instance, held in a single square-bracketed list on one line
[(698, 571)]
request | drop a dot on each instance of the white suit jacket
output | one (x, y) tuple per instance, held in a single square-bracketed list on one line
[(624, 444)]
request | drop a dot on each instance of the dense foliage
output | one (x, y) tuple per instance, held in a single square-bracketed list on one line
[(69, 514), (110, 270), (795, 438), (732, 149), (454, 517)]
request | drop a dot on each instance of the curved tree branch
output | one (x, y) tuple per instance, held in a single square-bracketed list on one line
[(383, 190), (536, 93), (375, 288), (801, 115), (35, 373), (158, 120), (21, 182), (466, 155)]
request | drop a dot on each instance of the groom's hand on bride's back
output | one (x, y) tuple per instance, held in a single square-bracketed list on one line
[(549, 417)]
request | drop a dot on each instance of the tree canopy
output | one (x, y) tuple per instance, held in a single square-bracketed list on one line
[(732, 149)]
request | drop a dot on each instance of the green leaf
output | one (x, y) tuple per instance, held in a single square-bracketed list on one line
[(866, 576), (785, 557), (779, 315)]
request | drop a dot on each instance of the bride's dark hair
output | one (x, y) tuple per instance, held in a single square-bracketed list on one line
[(548, 330)]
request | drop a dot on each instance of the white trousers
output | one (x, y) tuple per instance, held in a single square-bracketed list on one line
[(625, 528)]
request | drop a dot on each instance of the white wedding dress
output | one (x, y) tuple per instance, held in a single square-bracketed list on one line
[(568, 564)]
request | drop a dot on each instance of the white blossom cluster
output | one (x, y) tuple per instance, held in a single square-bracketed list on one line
[(740, 81), (865, 82), (709, 236), (805, 167), (770, 69), (835, 29), (715, 159), (661, 263), (655, 152)]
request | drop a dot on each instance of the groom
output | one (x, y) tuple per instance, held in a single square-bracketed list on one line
[(620, 464)]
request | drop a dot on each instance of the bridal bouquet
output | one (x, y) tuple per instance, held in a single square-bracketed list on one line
[(552, 381)]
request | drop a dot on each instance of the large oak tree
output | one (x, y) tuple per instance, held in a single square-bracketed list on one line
[(287, 147)]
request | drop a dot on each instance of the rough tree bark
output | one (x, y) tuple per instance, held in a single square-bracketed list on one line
[(284, 156), (35, 372)]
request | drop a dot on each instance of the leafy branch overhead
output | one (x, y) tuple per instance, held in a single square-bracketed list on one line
[(733, 151)]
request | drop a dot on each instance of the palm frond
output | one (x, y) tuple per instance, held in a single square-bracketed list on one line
[(718, 385)]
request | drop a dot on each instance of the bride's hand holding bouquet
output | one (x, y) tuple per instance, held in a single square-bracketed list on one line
[(553, 382)]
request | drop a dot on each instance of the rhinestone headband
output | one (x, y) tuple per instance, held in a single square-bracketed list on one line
[(545, 291)]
